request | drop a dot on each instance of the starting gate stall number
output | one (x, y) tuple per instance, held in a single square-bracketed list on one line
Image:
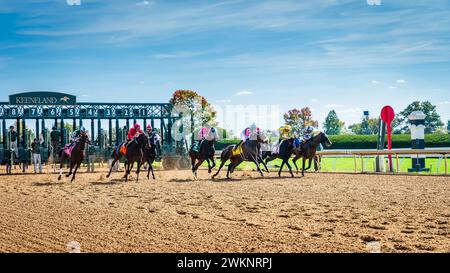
[(71, 112), (52, 112)]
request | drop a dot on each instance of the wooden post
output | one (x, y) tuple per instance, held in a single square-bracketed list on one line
[(445, 164), (362, 164), (356, 165), (397, 163)]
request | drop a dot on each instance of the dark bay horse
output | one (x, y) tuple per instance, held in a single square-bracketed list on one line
[(206, 153), (287, 148), (149, 155), (135, 154), (309, 150), (76, 156), (250, 152)]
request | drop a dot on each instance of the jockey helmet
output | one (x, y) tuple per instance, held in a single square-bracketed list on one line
[(137, 126), (54, 128), (309, 129), (149, 127), (213, 130), (82, 129)]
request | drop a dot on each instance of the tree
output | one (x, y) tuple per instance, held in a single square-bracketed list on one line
[(448, 126), (368, 126), (201, 110), (298, 119), (332, 125), (197, 111), (432, 120)]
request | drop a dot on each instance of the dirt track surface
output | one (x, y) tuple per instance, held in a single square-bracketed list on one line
[(318, 213)]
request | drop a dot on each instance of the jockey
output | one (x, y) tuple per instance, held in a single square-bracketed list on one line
[(135, 131), (77, 134), (247, 133), (149, 130), (201, 136), (284, 133), (307, 134)]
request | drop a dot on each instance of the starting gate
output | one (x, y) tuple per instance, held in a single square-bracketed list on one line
[(63, 109)]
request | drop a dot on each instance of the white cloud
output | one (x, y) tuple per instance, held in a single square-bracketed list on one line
[(244, 93), (334, 106), (401, 81), (392, 87), (223, 101), (144, 3), (445, 102), (376, 82), (373, 2), (73, 2), (315, 100), (177, 55)]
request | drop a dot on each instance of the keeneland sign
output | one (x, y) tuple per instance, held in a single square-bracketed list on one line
[(42, 98)]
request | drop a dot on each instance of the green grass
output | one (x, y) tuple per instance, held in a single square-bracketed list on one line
[(346, 164)]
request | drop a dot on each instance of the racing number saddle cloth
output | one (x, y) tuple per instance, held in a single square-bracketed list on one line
[(238, 150), (123, 149), (69, 148)]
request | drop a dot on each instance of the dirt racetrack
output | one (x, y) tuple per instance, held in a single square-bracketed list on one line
[(318, 213)]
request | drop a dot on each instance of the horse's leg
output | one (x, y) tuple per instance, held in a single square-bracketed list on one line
[(139, 163), (213, 160), (297, 157), (230, 167), (75, 171), (222, 163), (255, 160), (290, 168), (281, 168), (303, 166), (150, 168), (60, 167), (71, 168), (199, 163), (264, 164), (209, 165), (309, 164), (193, 164), (112, 166)]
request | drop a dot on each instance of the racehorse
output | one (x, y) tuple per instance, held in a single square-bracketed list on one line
[(149, 155), (287, 148), (206, 152), (309, 149), (135, 153), (74, 152), (250, 152)]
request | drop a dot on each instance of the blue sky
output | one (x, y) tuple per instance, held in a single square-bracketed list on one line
[(327, 54)]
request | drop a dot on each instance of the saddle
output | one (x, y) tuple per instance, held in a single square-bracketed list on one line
[(238, 150), (123, 149), (196, 146), (69, 148)]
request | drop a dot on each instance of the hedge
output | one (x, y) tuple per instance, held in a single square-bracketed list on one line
[(348, 142)]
